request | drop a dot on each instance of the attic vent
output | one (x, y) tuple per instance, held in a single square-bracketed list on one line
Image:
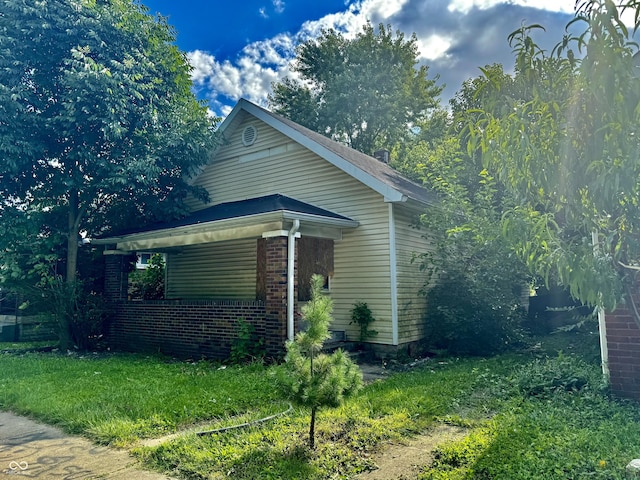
[(249, 135)]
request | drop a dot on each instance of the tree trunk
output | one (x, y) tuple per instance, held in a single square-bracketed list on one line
[(73, 223), (312, 429), (72, 254)]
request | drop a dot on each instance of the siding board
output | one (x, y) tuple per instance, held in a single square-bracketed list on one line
[(224, 270), (361, 258), (411, 305)]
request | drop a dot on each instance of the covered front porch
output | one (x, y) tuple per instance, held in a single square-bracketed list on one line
[(233, 261)]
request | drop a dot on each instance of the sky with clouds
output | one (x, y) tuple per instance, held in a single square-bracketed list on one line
[(239, 49)]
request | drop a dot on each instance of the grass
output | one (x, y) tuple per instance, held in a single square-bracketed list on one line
[(15, 347), (117, 399), (535, 414)]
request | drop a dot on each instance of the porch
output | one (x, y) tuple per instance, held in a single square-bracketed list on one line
[(249, 249)]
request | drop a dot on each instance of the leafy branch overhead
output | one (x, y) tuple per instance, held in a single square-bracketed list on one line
[(568, 152)]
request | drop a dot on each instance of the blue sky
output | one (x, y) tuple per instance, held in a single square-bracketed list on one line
[(239, 48)]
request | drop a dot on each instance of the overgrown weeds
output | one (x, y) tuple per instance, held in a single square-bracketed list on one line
[(530, 415)]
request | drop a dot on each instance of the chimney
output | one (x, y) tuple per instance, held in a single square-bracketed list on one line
[(382, 155)]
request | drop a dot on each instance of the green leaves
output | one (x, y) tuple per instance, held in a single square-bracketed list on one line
[(315, 379), (365, 92), (568, 153), (96, 115)]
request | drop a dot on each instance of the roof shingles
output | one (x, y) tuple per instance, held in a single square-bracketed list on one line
[(242, 208)]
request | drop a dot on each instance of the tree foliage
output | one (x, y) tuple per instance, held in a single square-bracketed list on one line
[(313, 379), (148, 283), (474, 281), (365, 92), (568, 151), (97, 126)]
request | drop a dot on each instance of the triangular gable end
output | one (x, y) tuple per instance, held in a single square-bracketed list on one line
[(371, 172)]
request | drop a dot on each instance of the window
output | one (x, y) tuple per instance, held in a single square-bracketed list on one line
[(142, 260)]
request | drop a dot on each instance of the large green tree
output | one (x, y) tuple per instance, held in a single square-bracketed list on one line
[(98, 125), (365, 92), (568, 151)]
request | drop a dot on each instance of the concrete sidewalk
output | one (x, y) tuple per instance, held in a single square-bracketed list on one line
[(32, 450)]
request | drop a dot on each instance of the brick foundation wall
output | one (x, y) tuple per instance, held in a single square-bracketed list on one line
[(623, 342), (197, 329), (187, 329)]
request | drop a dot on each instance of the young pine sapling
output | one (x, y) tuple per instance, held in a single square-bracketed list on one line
[(314, 379)]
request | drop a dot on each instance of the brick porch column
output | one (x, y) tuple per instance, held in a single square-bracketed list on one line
[(623, 342), (116, 275), (276, 294)]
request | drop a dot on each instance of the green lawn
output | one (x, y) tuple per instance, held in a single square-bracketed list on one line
[(528, 416)]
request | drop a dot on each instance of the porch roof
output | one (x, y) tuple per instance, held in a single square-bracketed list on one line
[(253, 217)]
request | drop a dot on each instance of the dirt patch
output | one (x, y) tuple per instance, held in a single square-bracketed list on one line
[(403, 460)]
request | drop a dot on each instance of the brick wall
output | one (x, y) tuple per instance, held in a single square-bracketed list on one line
[(116, 276), (623, 342), (186, 329), (206, 328), (276, 292)]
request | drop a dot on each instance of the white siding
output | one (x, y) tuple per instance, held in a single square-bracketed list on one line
[(274, 164), (224, 270)]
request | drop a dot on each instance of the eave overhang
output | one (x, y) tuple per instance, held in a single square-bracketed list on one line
[(249, 226)]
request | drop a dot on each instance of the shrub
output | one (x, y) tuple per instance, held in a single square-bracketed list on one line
[(463, 320), (81, 315), (148, 284), (362, 316), (247, 346), (543, 377)]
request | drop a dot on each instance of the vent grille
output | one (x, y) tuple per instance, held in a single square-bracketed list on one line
[(249, 135)]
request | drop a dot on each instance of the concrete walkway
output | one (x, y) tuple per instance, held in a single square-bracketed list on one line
[(32, 450)]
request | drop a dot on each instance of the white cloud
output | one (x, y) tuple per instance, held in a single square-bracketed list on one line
[(250, 76), (381, 9), (278, 5), (351, 21), (465, 6), (434, 47), (203, 66), (348, 22), (263, 12)]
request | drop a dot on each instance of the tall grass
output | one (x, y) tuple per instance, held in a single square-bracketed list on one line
[(536, 414)]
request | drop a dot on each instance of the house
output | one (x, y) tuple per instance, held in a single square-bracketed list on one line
[(286, 203)]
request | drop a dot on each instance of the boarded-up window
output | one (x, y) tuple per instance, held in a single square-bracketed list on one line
[(315, 255)]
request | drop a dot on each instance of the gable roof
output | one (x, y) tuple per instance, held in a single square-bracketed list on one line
[(375, 174)]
